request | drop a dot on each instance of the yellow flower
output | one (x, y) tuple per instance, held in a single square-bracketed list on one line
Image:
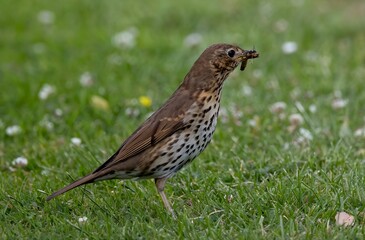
[(145, 101)]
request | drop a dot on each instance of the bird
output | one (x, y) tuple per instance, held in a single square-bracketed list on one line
[(179, 130)]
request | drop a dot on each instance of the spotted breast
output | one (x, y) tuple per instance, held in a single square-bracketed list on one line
[(183, 146)]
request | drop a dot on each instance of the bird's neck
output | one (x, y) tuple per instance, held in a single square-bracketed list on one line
[(207, 79)]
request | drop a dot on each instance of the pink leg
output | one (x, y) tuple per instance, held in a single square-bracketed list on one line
[(160, 185)]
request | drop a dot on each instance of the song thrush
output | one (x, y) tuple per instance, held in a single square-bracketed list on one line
[(178, 131)]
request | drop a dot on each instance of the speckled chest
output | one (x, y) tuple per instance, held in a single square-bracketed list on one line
[(183, 146)]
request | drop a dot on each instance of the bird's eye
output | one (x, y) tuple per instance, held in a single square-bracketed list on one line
[(231, 53)]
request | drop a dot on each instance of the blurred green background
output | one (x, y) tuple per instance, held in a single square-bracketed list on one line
[(72, 74)]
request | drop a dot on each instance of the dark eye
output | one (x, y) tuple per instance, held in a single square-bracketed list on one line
[(231, 53)]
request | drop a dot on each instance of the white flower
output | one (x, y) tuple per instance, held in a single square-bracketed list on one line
[(20, 162), (296, 119), (278, 107), (289, 47), (193, 39), (313, 108), (339, 103), (252, 122), (125, 39), (58, 112), (13, 130), (247, 90), (46, 91), (306, 134), (82, 219), (76, 141), (46, 17), (86, 79), (360, 132)]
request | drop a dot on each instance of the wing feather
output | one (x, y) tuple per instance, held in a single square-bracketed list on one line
[(163, 123)]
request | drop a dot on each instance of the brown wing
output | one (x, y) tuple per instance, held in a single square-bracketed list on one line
[(163, 123)]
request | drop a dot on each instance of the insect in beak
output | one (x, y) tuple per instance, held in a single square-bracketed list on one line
[(248, 54)]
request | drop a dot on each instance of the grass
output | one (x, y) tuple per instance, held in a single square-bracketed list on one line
[(256, 180)]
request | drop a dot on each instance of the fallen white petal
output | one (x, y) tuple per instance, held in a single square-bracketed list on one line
[(339, 103), (247, 90), (360, 132), (252, 122), (76, 141), (58, 112), (278, 107), (46, 91), (289, 47), (13, 130), (82, 219), (20, 162), (344, 219), (86, 79), (125, 39), (313, 108), (296, 119)]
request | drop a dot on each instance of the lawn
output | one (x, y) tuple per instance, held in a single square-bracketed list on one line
[(77, 77)]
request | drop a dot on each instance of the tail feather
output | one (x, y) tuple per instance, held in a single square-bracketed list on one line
[(85, 180)]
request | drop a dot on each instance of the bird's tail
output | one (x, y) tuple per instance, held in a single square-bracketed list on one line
[(85, 180)]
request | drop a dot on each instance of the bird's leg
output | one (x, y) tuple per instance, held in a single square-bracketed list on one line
[(160, 185)]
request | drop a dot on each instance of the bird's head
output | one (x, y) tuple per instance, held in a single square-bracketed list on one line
[(215, 64), (226, 57)]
